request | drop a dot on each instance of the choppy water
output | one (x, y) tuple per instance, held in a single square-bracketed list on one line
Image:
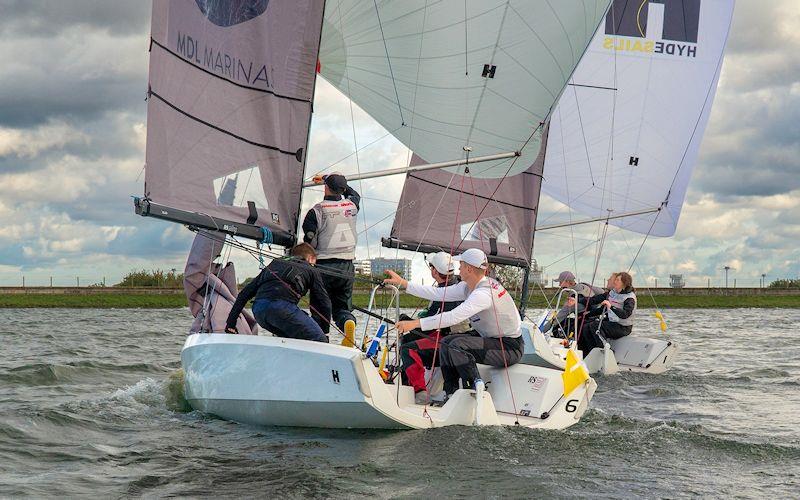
[(90, 406)]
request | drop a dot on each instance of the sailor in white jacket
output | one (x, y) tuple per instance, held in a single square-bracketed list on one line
[(496, 338)]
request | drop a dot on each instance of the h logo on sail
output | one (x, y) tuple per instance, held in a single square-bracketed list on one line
[(666, 26)]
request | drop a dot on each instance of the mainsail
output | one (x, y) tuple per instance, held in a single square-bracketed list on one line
[(626, 132), (230, 97), (443, 76)]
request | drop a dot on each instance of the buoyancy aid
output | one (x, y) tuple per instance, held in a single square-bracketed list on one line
[(336, 231), (617, 300)]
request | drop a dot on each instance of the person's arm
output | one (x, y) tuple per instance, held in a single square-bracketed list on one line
[(627, 308), (450, 293), (310, 226), (244, 296), (320, 302), (479, 300), (352, 195)]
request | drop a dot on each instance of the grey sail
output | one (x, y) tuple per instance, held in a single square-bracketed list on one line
[(230, 92), (441, 210)]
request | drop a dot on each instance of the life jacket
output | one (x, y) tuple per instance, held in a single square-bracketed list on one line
[(506, 323), (336, 229), (617, 300)]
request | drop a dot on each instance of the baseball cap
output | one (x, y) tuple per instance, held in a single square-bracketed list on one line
[(472, 256), (441, 261), (336, 182), (566, 276)]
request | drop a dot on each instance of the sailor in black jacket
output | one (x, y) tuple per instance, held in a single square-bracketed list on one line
[(619, 304), (278, 289)]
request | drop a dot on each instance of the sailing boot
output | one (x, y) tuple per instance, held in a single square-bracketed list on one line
[(349, 339)]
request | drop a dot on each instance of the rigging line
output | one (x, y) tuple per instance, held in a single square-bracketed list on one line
[(564, 29), (638, 268), (583, 135), (599, 87), (700, 115), (466, 44), (593, 242), (566, 187), (491, 294), (546, 47), (639, 17), (416, 86), (362, 208), (362, 148), (644, 240), (486, 80), (400, 209), (388, 61), (452, 240), (541, 124)]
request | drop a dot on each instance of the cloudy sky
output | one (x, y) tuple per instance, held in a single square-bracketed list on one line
[(72, 128)]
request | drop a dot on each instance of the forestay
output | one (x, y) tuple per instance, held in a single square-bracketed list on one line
[(230, 92), (626, 132)]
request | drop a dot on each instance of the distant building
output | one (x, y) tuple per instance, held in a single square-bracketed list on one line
[(363, 266), (400, 266), (676, 281)]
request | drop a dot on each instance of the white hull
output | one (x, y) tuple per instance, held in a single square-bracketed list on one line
[(264, 380), (633, 354)]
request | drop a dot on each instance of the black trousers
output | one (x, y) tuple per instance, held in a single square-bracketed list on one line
[(339, 285), (589, 338), (460, 354)]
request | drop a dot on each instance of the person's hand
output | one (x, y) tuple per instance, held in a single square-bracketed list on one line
[(394, 279), (406, 326), (571, 302), (231, 329), (318, 179), (606, 304)]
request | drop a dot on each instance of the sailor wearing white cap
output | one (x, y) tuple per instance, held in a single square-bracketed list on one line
[(491, 310)]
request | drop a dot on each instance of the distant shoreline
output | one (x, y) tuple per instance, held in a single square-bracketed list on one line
[(162, 298)]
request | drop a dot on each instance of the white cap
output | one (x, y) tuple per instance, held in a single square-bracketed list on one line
[(441, 261), (474, 257)]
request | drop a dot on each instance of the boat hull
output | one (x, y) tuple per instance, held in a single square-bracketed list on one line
[(264, 380), (631, 353)]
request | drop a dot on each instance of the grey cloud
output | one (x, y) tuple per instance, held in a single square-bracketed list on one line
[(48, 17)]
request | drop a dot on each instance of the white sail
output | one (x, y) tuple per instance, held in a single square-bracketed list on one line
[(442, 75), (626, 132)]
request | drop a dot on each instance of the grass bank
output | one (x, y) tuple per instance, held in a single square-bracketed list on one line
[(153, 301)]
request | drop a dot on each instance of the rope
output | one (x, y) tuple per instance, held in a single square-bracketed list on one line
[(494, 310), (388, 61)]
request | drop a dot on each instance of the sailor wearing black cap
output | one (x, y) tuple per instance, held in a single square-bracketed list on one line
[(330, 227)]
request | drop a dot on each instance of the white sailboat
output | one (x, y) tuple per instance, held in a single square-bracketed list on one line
[(230, 101), (625, 136)]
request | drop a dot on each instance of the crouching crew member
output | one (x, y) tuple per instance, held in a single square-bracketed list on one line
[(496, 338), (278, 289), (620, 304)]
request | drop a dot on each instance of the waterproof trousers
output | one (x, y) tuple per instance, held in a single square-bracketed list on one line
[(416, 354), (338, 276), (589, 338), (285, 319), (461, 353)]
